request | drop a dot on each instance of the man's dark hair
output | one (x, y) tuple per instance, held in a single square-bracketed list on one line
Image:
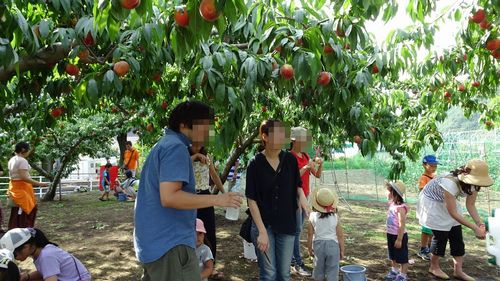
[(188, 112), (108, 165), (21, 147), (128, 143)]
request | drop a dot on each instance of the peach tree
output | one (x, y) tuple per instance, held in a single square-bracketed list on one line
[(306, 62)]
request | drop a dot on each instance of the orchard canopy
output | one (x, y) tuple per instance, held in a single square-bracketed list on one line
[(81, 70)]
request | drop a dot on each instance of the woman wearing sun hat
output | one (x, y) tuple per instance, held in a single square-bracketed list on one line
[(326, 238), (439, 210)]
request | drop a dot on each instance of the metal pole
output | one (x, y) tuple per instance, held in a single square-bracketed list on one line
[(346, 175)]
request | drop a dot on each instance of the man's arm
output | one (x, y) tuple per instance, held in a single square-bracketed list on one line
[(172, 196)]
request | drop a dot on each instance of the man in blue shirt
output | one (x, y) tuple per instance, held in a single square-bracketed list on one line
[(165, 209)]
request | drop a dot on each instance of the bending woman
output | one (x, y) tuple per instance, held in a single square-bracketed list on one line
[(21, 188), (438, 209)]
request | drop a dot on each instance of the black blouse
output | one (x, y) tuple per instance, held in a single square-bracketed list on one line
[(276, 196)]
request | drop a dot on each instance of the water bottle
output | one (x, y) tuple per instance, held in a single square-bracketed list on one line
[(234, 213)]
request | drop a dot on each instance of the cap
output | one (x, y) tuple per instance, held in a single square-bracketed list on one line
[(298, 132), (15, 238), (200, 227), (430, 159)]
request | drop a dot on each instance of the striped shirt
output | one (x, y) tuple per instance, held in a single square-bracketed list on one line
[(231, 174), (434, 190)]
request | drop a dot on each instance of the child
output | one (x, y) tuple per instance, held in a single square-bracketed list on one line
[(203, 252), (430, 165), (8, 269), (51, 262), (397, 238), (105, 182), (326, 238)]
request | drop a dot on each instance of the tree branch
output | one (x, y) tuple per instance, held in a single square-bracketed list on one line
[(237, 152), (42, 171), (42, 59)]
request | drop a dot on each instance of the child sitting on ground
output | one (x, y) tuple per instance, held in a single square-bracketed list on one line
[(51, 262), (203, 252), (8, 269), (326, 238), (429, 162), (397, 238)]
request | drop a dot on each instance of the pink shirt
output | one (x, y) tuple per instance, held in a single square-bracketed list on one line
[(392, 217)]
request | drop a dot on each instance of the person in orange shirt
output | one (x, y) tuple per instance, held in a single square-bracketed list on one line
[(429, 162), (130, 158)]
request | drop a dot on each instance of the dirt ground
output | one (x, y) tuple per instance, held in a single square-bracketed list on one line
[(100, 235)]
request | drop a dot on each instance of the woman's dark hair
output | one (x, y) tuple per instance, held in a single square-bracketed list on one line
[(188, 112), (128, 143), (22, 147), (203, 151), (467, 188), (264, 128), (108, 165), (38, 239), (11, 273)]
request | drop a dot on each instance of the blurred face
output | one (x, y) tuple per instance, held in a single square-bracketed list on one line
[(200, 237), (128, 147), (430, 168), (202, 132), (23, 252), (277, 136), (302, 142)]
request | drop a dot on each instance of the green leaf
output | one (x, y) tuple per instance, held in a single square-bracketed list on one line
[(458, 15), (92, 91), (220, 92), (233, 99), (66, 4)]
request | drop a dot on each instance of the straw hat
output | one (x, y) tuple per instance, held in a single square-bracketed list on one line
[(324, 200), (399, 187), (477, 175)]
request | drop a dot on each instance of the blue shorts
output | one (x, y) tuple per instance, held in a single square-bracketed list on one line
[(105, 187), (399, 255)]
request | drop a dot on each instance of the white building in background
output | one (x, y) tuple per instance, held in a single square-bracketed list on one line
[(88, 168)]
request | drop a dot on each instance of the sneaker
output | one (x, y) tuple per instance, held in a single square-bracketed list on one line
[(401, 278), (424, 254), (302, 271), (391, 275)]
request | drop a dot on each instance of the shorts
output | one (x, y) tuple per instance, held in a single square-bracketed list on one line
[(399, 255), (179, 263), (105, 188), (441, 238), (426, 230)]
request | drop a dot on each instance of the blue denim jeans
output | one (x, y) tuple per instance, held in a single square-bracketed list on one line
[(297, 258), (277, 267)]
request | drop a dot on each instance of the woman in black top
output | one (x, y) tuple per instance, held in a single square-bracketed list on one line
[(273, 188)]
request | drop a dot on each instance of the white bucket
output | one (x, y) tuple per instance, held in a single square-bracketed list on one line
[(493, 237), (249, 251), (353, 272), (232, 214)]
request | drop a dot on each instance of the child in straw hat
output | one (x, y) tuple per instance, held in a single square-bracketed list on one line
[(326, 238), (397, 238), (438, 209)]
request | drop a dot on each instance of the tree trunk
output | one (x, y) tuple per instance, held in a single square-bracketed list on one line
[(51, 193), (121, 139), (236, 153)]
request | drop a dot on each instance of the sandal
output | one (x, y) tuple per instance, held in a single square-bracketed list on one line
[(443, 276), (216, 275)]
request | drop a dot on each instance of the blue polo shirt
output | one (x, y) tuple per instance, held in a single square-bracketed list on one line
[(158, 229)]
